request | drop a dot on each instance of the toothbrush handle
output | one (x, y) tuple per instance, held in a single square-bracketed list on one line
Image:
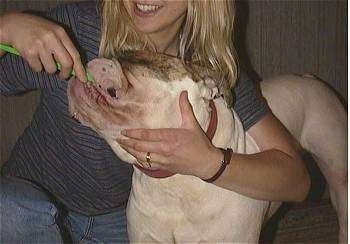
[(14, 51), (9, 49)]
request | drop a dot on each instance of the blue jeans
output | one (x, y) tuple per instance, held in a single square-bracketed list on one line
[(27, 215)]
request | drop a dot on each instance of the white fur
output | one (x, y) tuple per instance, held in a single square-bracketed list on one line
[(186, 209), (317, 119)]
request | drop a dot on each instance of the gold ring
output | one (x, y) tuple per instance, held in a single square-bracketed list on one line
[(148, 159)]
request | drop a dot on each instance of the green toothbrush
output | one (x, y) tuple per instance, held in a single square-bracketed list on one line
[(13, 50)]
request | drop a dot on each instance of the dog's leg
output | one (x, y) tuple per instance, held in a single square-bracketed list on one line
[(325, 136), (315, 116), (337, 181), (328, 145)]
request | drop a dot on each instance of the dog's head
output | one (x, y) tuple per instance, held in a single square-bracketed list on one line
[(139, 90)]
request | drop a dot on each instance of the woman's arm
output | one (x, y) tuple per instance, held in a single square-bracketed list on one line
[(41, 43), (276, 174)]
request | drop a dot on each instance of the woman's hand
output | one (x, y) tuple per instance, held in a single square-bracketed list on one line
[(41, 43), (275, 174), (184, 150)]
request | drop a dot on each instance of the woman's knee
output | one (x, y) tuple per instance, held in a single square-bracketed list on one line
[(23, 206)]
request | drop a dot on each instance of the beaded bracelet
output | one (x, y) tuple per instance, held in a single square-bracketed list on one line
[(226, 161)]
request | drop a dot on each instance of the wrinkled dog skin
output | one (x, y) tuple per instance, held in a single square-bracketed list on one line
[(141, 90)]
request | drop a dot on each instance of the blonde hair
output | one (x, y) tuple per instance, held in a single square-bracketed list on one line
[(206, 36)]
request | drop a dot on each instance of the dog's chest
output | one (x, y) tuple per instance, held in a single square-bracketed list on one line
[(185, 207)]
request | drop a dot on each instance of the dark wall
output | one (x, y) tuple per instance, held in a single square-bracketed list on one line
[(296, 36), (274, 37)]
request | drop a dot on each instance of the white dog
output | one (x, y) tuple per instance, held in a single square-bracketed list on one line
[(183, 208)]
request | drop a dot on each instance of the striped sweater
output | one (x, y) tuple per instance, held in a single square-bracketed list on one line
[(67, 159)]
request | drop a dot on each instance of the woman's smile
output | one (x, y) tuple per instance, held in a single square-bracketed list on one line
[(156, 15), (160, 20), (145, 10)]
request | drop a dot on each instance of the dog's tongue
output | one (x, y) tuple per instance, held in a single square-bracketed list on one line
[(155, 173)]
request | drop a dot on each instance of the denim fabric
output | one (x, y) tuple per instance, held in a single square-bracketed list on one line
[(108, 228), (28, 215)]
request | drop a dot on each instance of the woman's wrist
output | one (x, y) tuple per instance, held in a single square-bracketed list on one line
[(213, 163), (226, 160)]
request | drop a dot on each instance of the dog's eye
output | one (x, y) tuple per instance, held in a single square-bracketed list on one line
[(112, 92)]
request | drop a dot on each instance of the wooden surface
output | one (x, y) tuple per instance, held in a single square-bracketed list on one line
[(275, 37)]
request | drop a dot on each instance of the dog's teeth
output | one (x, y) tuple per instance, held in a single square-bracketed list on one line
[(75, 117)]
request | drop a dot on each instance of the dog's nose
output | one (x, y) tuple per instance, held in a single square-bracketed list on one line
[(111, 91)]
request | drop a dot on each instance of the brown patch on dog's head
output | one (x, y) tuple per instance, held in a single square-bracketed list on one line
[(162, 66), (138, 90)]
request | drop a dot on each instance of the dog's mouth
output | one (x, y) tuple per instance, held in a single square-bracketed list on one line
[(94, 94), (84, 97), (97, 94)]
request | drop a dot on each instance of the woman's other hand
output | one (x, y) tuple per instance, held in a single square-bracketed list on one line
[(41, 43), (275, 174), (184, 150)]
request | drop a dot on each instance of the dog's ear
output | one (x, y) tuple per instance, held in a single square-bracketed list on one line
[(208, 88)]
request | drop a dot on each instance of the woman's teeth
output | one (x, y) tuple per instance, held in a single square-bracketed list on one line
[(147, 8)]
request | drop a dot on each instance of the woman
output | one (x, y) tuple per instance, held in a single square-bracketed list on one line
[(58, 162)]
